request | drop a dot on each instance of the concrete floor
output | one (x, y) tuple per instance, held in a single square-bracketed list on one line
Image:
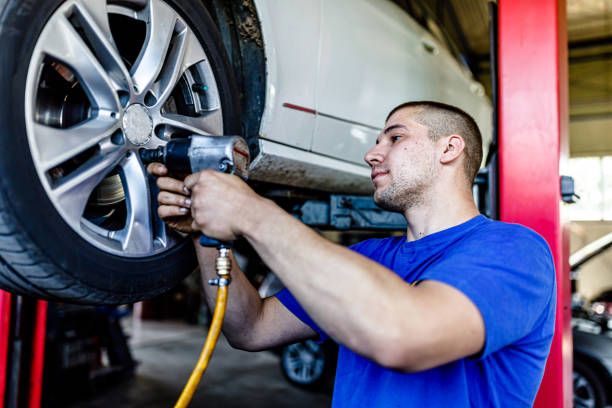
[(167, 352)]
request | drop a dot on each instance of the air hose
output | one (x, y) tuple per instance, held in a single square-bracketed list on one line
[(223, 266)]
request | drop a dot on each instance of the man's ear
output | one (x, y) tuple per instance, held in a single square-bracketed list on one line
[(453, 145)]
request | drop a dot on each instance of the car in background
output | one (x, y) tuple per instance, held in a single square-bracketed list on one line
[(592, 377), (592, 334), (87, 83)]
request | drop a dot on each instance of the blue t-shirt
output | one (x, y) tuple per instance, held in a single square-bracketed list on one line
[(507, 271)]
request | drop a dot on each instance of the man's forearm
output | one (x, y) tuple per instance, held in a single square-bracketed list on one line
[(244, 303)]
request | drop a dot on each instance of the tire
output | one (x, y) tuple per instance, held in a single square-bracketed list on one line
[(589, 392), (78, 218), (307, 364)]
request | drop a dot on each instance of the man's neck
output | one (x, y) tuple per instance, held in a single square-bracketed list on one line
[(439, 212)]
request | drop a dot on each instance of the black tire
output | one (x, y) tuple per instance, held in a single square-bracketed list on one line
[(588, 388), (40, 254)]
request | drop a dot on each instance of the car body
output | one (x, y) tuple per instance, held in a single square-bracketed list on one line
[(333, 80)]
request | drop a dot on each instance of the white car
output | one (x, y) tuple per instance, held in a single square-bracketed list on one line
[(308, 83)]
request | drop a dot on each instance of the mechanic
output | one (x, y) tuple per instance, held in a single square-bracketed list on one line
[(459, 312)]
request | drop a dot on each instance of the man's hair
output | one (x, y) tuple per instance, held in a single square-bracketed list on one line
[(443, 120)]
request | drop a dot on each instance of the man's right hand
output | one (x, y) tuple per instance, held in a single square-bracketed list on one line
[(250, 323), (174, 199)]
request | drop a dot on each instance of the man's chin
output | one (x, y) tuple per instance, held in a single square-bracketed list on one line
[(384, 203)]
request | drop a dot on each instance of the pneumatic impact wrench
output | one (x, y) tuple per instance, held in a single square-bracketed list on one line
[(227, 154)]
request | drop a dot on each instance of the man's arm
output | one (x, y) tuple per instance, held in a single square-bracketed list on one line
[(250, 323), (358, 302)]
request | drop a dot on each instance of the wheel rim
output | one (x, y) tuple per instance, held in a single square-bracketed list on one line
[(304, 362), (104, 81), (584, 393)]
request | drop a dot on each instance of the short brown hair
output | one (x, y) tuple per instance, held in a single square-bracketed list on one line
[(443, 120)]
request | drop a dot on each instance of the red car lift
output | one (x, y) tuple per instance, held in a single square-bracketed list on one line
[(5, 326), (17, 342), (533, 146)]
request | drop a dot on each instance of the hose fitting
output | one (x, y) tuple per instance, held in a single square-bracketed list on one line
[(223, 266)]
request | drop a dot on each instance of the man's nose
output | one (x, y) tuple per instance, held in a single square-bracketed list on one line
[(374, 156)]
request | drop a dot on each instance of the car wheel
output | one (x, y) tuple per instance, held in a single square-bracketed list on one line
[(589, 392), (85, 85), (304, 363)]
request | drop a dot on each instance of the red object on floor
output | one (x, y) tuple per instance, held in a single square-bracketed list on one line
[(533, 146), (38, 355), (5, 329)]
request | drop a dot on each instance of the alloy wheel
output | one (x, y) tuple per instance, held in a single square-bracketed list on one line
[(584, 394), (304, 362), (104, 81)]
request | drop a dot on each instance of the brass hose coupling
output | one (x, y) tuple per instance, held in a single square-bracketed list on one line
[(223, 266)]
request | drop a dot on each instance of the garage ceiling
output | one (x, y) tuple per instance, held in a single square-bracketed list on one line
[(589, 24)]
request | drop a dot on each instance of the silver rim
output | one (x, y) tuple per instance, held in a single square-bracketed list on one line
[(584, 394), (105, 80), (304, 362)]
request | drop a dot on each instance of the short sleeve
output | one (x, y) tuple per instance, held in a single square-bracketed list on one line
[(510, 277), (291, 303)]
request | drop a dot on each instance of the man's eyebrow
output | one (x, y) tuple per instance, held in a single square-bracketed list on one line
[(390, 128)]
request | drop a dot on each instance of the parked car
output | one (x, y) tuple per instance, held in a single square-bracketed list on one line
[(592, 336), (86, 83), (592, 367)]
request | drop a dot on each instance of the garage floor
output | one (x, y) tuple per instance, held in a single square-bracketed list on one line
[(167, 352)]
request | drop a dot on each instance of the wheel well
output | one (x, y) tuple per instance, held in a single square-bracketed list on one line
[(240, 30), (599, 369)]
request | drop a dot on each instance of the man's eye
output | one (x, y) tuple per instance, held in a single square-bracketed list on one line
[(395, 138)]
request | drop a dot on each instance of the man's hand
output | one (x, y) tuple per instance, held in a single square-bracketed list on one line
[(223, 206), (250, 323), (174, 199)]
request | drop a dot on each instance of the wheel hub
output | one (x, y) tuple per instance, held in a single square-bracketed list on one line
[(307, 358), (137, 124)]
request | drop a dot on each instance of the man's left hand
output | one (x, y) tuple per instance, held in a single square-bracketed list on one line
[(222, 205)]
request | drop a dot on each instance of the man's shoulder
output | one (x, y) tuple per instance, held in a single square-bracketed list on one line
[(504, 234), (515, 249)]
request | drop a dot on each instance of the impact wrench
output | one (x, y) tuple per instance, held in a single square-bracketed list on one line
[(227, 154)]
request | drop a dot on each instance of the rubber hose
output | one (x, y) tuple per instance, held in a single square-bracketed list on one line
[(209, 347)]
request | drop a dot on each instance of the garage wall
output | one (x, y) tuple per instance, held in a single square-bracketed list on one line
[(595, 275), (590, 137)]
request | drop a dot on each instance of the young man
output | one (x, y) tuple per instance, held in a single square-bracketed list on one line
[(459, 312)]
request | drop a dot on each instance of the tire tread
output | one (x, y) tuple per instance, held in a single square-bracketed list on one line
[(25, 270)]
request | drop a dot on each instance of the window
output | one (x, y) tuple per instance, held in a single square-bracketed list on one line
[(593, 183)]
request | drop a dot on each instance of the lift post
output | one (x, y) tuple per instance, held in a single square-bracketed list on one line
[(533, 150), (5, 325), (22, 350)]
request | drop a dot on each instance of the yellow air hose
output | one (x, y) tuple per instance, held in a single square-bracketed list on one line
[(223, 266)]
